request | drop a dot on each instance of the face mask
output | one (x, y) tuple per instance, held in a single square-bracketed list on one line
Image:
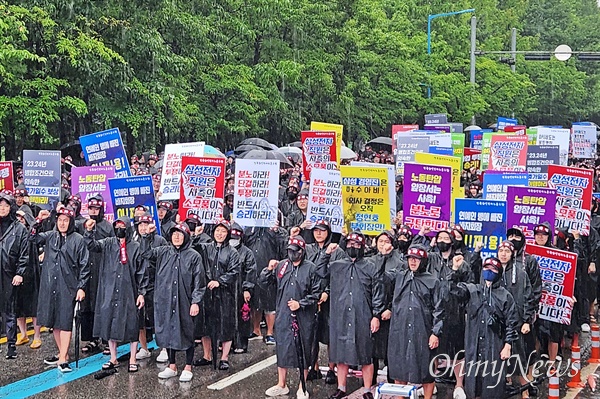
[(443, 246), (517, 243), (488, 275), (293, 255), (235, 243), (403, 245), (120, 232), (457, 244), (95, 217), (353, 252), (292, 195), (192, 226)]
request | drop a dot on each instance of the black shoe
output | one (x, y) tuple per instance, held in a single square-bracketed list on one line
[(223, 365), (51, 361), (64, 368), (339, 394), (314, 375), (368, 395), (330, 378), (202, 362), (11, 353)]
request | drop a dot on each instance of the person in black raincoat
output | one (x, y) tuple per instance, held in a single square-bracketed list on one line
[(473, 258), (14, 261), (178, 292), (266, 244), (417, 322), (526, 261), (388, 260), (440, 265), (28, 292), (298, 289), (74, 202), (228, 206), (222, 266), (492, 326), (516, 281), (64, 278), (165, 217), (245, 283), (148, 238), (297, 221), (404, 241), (121, 288), (549, 333), (357, 303), (322, 236), (288, 205), (103, 229)]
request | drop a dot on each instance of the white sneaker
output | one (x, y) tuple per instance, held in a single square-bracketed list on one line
[(277, 391), (421, 393), (163, 357), (142, 354), (301, 394), (459, 393), (186, 376), (167, 373), (585, 327)]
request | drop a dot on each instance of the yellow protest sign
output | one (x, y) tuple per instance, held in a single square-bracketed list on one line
[(445, 160), (366, 199), (331, 127)]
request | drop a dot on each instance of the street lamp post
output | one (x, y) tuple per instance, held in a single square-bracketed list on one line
[(430, 18)]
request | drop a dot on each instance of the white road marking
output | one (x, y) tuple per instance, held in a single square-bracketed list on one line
[(240, 375)]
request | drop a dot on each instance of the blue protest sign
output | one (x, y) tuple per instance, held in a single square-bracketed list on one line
[(503, 122), (484, 221), (106, 148), (42, 178), (129, 192), (495, 183), (475, 139), (434, 149)]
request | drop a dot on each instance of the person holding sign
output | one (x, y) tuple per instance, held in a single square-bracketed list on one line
[(297, 220), (63, 281), (357, 287), (121, 289)]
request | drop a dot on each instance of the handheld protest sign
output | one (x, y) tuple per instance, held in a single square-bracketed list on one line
[(106, 148), (319, 149), (129, 192), (42, 177), (529, 207), (89, 181), (483, 221), (574, 188), (202, 188), (325, 198), (7, 181), (171, 170), (256, 194)]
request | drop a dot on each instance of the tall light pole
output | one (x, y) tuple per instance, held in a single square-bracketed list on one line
[(430, 18)]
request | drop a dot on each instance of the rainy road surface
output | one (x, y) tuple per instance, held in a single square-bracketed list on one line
[(253, 373)]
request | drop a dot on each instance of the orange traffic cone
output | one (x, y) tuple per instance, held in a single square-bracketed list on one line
[(575, 367), (554, 387), (595, 355)]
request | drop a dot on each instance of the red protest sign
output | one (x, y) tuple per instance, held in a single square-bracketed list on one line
[(7, 181), (574, 189), (318, 150), (471, 159), (201, 190), (557, 269), (508, 153)]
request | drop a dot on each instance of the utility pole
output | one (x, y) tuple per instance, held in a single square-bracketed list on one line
[(513, 49), (473, 56)]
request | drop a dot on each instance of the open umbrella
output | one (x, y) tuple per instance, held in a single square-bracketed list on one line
[(264, 154), (258, 142), (247, 147), (299, 349), (295, 144), (210, 151), (291, 152), (77, 331), (347, 153), (384, 141)]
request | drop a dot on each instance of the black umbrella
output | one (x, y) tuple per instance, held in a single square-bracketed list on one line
[(264, 154), (258, 142), (77, 331), (385, 141), (296, 144), (248, 147), (299, 349)]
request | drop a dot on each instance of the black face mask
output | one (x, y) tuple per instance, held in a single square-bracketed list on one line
[(354, 253), (457, 244), (120, 232), (403, 245), (292, 195), (295, 255), (443, 246), (95, 218), (517, 243), (192, 226)]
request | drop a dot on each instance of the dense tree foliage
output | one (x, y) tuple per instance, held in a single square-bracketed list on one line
[(220, 70)]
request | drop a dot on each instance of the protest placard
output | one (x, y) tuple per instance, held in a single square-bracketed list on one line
[(458, 145), (583, 141), (552, 136), (325, 198), (538, 159), (365, 198), (574, 189), (503, 122), (557, 269), (88, 181), (331, 127), (105, 149), (171, 169), (484, 221), (432, 119), (256, 195), (439, 139), (391, 178), (476, 139), (318, 150), (7, 181), (441, 160), (508, 153), (202, 188), (495, 183), (529, 207), (406, 148), (427, 198), (42, 178), (448, 151), (397, 131), (472, 159), (129, 192)]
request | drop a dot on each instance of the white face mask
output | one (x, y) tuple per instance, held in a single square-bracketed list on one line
[(234, 243)]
